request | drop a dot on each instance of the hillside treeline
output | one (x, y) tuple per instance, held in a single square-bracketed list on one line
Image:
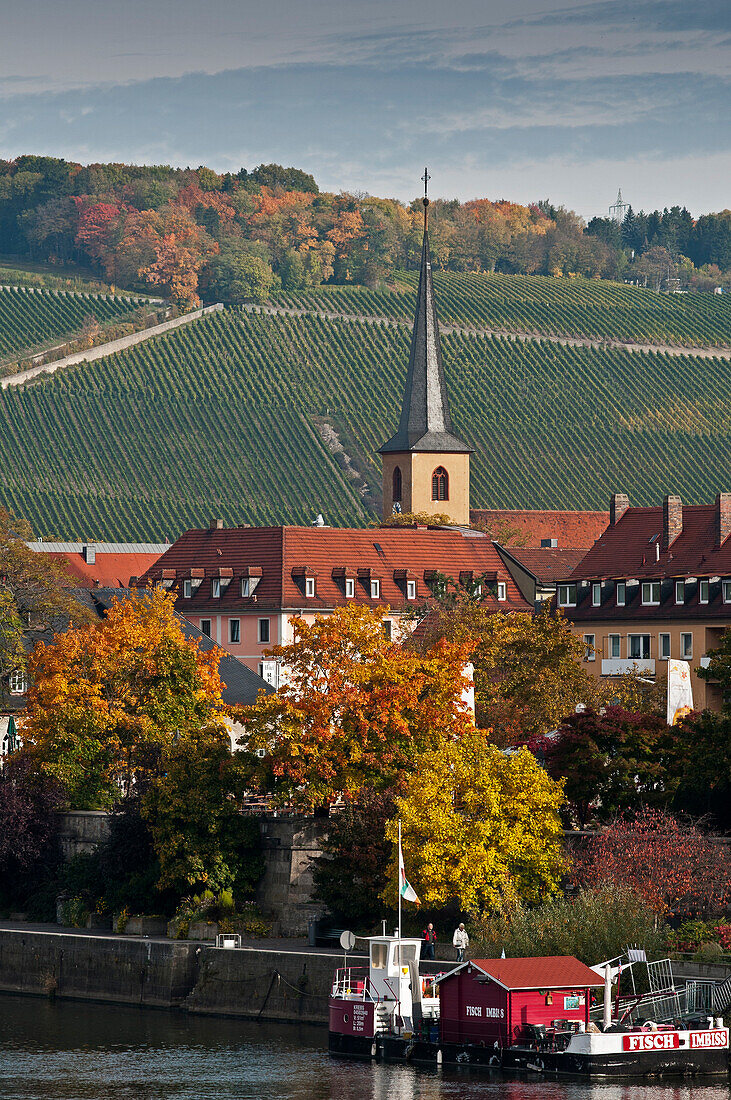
[(192, 233)]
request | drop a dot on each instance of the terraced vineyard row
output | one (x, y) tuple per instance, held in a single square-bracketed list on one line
[(593, 308), (31, 318), (216, 419)]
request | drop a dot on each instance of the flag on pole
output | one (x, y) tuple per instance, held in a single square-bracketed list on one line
[(406, 890)]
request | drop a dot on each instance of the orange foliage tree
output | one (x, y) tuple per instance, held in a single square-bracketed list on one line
[(109, 699), (355, 709)]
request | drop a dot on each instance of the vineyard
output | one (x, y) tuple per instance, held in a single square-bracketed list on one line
[(598, 309), (219, 419), (32, 318)]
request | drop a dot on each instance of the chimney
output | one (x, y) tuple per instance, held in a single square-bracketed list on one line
[(672, 520), (89, 552), (618, 505), (723, 517), (217, 525)]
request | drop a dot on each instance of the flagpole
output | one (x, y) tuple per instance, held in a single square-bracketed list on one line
[(398, 946)]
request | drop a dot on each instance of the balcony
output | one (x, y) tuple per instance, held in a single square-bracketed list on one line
[(618, 666)]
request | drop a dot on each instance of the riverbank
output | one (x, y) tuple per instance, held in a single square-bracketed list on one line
[(279, 980)]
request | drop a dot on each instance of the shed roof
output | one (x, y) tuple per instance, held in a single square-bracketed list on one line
[(549, 972)]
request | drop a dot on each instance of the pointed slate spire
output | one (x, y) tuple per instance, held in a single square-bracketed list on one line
[(425, 423)]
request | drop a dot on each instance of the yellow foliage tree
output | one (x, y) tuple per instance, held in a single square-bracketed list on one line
[(108, 699), (479, 827)]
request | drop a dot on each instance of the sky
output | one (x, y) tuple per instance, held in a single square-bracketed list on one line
[(517, 99)]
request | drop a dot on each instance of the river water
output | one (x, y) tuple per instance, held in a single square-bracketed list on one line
[(73, 1051)]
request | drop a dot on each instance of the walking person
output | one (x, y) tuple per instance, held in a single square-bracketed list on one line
[(429, 938), (461, 941)]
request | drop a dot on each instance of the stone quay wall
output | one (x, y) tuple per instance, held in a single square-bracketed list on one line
[(258, 983)]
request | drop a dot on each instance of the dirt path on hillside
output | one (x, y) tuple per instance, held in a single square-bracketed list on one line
[(473, 330)]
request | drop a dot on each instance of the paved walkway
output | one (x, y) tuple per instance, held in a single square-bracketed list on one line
[(474, 330), (105, 349)]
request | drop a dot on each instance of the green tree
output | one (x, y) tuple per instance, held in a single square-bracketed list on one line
[(480, 827), (193, 811), (237, 274), (351, 874), (699, 767)]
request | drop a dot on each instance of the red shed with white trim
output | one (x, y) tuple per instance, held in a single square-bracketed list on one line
[(493, 1000)]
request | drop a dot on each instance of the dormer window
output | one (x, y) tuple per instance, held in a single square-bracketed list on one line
[(621, 593), (726, 589), (187, 589), (703, 590), (650, 593), (596, 595), (680, 592), (250, 581), (411, 590), (216, 588), (567, 595), (167, 580), (349, 588), (502, 591), (440, 484), (309, 587), (375, 586), (17, 682)]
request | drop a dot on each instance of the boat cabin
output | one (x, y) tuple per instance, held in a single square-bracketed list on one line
[(391, 959), (508, 1001)]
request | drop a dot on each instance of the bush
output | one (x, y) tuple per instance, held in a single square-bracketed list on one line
[(596, 924), (709, 952), (692, 935), (221, 910)]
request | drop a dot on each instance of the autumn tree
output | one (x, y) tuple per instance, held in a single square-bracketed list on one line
[(674, 865), (698, 762), (354, 710), (610, 760), (107, 699), (480, 827), (528, 670)]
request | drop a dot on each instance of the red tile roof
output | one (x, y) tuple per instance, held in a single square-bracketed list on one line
[(287, 555), (630, 548), (547, 564), (550, 972), (573, 530), (108, 571)]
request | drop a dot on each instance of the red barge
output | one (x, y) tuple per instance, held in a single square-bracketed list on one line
[(529, 1014)]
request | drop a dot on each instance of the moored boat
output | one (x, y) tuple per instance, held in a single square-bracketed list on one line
[(530, 1014)]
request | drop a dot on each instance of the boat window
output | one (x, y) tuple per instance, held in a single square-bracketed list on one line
[(378, 956), (408, 953)]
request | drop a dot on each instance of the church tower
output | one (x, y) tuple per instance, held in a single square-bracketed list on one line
[(425, 467)]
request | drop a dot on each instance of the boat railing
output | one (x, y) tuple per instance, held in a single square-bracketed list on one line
[(353, 983)]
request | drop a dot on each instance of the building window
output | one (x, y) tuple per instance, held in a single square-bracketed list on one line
[(387, 632), (18, 682), (567, 595), (621, 593), (375, 589), (440, 484), (664, 647), (216, 588), (680, 592), (309, 587), (246, 587), (263, 630), (638, 646), (502, 590), (686, 646), (650, 593), (349, 588), (397, 485), (703, 590), (206, 627), (596, 595), (187, 589), (613, 645), (589, 650), (234, 631), (411, 590), (726, 588)]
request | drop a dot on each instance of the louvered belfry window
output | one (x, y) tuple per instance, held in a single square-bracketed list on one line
[(440, 484)]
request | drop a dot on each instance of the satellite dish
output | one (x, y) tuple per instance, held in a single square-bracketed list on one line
[(347, 940)]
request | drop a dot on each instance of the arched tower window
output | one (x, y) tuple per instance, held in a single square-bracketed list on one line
[(440, 484), (397, 495)]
